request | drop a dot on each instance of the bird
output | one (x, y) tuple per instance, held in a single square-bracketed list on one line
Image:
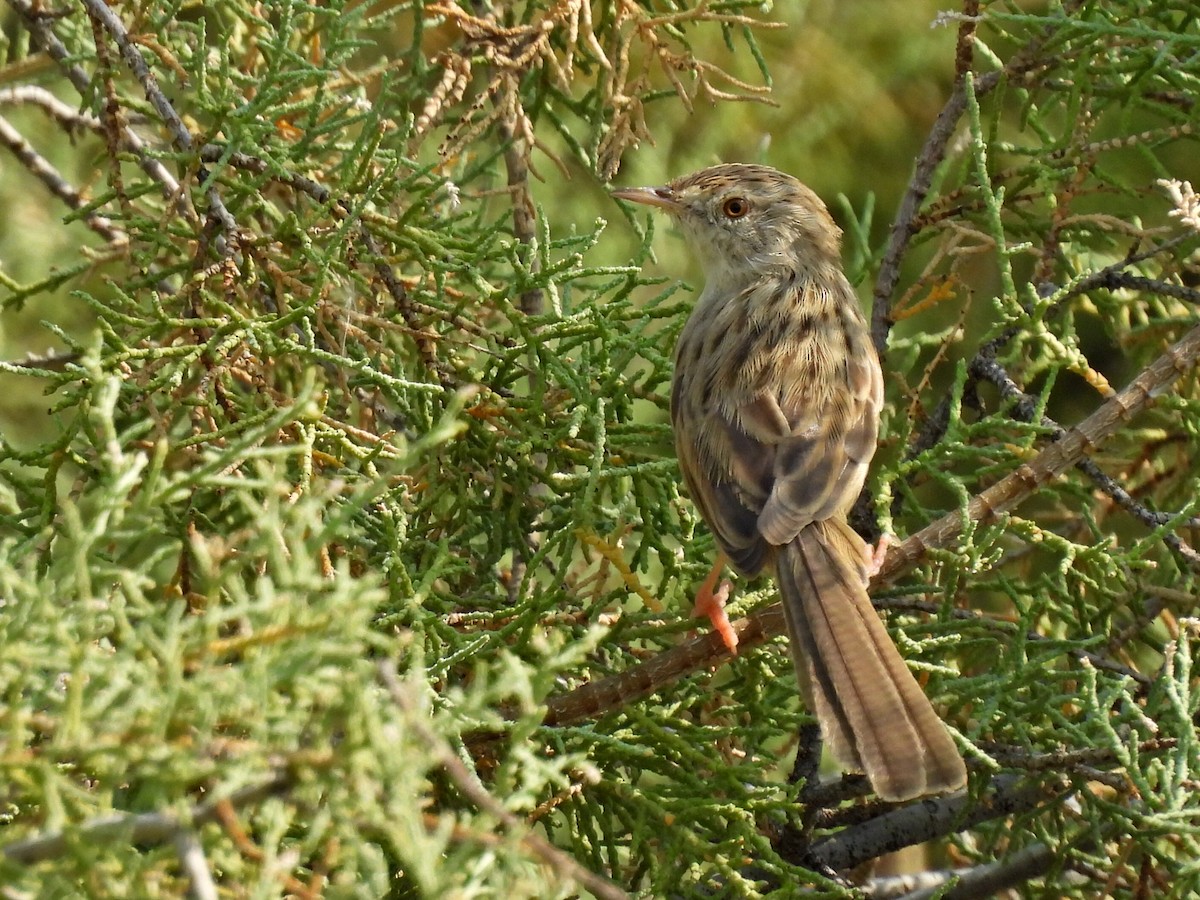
[(775, 405)]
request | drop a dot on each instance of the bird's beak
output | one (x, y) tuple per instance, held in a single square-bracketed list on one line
[(662, 197)]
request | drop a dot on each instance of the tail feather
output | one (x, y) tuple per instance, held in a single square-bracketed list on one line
[(873, 714)]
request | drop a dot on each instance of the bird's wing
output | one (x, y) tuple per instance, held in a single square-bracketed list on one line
[(728, 475), (794, 452), (820, 463)]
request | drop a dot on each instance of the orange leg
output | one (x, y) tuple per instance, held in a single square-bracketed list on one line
[(874, 556), (712, 605)]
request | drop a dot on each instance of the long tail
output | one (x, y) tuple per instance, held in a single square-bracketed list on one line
[(873, 714)]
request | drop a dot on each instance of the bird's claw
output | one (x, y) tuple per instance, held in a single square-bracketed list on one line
[(873, 557), (711, 605)]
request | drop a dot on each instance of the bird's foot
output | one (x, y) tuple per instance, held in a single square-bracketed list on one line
[(710, 604), (874, 556)]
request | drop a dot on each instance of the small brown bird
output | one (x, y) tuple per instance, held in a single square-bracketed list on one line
[(775, 406)]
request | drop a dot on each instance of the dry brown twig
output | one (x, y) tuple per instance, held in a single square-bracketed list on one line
[(632, 45), (508, 53)]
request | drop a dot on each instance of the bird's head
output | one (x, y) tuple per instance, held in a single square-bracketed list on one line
[(745, 219)]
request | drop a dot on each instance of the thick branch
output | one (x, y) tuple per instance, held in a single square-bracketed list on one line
[(919, 822)]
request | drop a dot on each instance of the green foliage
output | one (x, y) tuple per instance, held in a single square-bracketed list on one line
[(357, 455)]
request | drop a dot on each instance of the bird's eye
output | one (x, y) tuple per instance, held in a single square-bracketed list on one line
[(735, 207)]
